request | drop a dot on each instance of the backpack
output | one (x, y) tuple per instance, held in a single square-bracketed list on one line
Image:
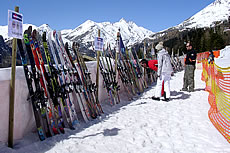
[(167, 64)]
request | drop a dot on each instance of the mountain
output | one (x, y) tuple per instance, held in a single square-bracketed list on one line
[(4, 30), (4, 50), (6, 43), (86, 33), (219, 10), (213, 14)]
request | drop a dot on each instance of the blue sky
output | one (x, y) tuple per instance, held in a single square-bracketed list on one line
[(154, 15)]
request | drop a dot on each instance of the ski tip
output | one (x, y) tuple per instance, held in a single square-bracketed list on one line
[(71, 128), (75, 122), (44, 36), (62, 130), (55, 131)]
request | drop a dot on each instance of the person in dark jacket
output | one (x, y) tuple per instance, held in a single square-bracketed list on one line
[(190, 63), (210, 57)]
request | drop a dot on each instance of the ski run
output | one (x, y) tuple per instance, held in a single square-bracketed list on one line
[(140, 126)]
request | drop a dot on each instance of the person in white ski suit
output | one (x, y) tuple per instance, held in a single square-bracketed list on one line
[(163, 73)]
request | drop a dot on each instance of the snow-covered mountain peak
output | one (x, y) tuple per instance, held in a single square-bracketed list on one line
[(86, 32), (122, 20), (88, 22), (220, 2), (219, 10), (44, 28)]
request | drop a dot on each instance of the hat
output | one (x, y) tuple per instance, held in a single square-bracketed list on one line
[(159, 46)]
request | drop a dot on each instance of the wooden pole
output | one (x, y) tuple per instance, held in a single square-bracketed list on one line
[(117, 51), (97, 74), (153, 56), (12, 91), (145, 82)]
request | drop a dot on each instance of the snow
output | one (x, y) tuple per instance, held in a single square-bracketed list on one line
[(4, 31), (24, 121), (130, 32), (141, 125), (217, 11), (223, 60)]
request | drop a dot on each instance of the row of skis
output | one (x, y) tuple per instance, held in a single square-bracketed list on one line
[(59, 88), (61, 91)]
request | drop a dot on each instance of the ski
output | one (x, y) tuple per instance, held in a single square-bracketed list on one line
[(32, 95), (54, 87), (60, 44), (90, 87), (39, 92), (80, 89), (67, 109)]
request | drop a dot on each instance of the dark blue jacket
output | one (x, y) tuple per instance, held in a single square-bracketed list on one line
[(190, 57)]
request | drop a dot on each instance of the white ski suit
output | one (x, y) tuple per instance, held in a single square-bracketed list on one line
[(164, 73)]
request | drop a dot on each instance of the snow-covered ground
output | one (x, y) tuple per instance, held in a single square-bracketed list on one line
[(141, 126), (223, 60)]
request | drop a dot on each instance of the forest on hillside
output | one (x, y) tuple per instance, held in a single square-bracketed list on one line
[(203, 39)]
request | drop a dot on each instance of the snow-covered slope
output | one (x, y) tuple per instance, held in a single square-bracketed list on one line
[(86, 32), (219, 10), (44, 28), (223, 59)]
